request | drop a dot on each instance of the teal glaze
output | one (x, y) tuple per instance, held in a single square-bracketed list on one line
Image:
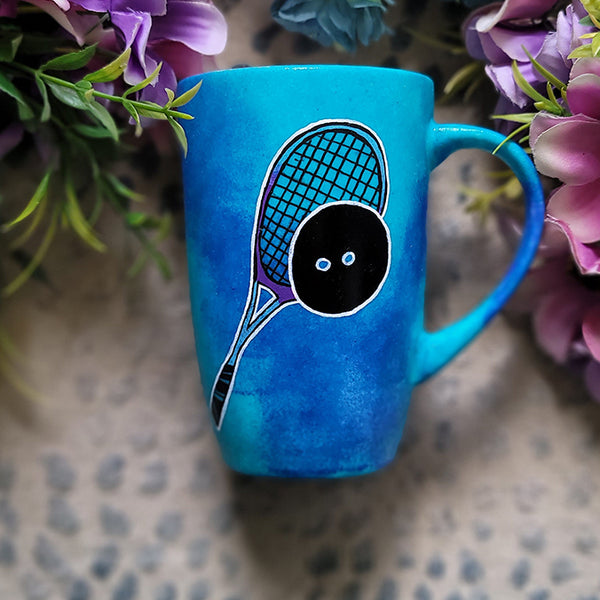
[(320, 395)]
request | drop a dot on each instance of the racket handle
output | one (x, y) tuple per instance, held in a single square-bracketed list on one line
[(221, 392)]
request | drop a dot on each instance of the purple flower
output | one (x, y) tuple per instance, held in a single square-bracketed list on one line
[(554, 55), (501, 34), (178, 33)]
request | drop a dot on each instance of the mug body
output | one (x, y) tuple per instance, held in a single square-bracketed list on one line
[(321, 388)]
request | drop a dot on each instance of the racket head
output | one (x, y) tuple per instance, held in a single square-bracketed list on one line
[(327, 161)]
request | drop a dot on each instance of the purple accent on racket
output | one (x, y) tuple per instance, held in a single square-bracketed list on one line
[(328, 161)]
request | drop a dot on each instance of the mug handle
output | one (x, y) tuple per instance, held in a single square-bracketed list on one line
[(435, 349)]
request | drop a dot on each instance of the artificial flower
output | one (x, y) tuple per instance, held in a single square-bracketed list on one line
[(568, 149), (566, 316), (518, 29), (181, 31), (343, 22), (562, 40), (583, 91), (562, 293), (501, 34)]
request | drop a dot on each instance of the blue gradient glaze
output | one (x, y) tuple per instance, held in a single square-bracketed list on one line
[(319, 396)]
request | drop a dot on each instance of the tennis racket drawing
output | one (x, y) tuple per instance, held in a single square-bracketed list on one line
[(319, 237)]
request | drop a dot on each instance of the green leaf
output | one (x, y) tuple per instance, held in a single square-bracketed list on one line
[(552, 97), (38, 215), (121, 189), (180, 134), (596, 45), (151, 251), (516, 118), (132, 110), (151, 112), (9, 45), (541, 103), (84, 86), (71, 61), (40, 194), (135, 219), (77, 220), (156, 255), (138, 220), (142, 84), (186, 96), (525, 85), (510, 136), (586, 21), (112, 70), (92, 131), (46, 109), (581, 52), (8, 87), (462, 78), (104, 118), (26, 273), (68, 96), (170, 96), (592, 7), (547, 75), (8, 348)]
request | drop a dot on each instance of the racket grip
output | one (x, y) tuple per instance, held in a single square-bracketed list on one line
[(221, 392)]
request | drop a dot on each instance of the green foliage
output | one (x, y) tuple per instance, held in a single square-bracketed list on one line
[(591, 49), (593, 9), (11, 362), (60, 98), (70, 62), (10, 40)]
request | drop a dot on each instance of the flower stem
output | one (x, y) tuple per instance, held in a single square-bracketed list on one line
[(145, 106)]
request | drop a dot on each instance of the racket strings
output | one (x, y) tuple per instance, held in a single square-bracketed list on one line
[(328, 166)]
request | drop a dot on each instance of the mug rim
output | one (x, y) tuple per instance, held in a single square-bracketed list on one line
[(243, 72)]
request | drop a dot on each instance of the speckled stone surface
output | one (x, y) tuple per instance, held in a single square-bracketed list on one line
[(112, 487)]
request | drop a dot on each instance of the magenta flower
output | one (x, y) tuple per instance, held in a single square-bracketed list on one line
[(8, 8), (566, 317), (568, 149), (583, 91)]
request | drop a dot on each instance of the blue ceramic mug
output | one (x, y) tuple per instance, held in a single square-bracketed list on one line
[(306, 200)]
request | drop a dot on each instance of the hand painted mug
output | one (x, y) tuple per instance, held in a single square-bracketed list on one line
[(306, 199)]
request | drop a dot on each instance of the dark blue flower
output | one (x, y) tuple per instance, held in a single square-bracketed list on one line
[(472, 3), (343, 22)]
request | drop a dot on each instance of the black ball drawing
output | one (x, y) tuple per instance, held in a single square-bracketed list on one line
[(339, 258)]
